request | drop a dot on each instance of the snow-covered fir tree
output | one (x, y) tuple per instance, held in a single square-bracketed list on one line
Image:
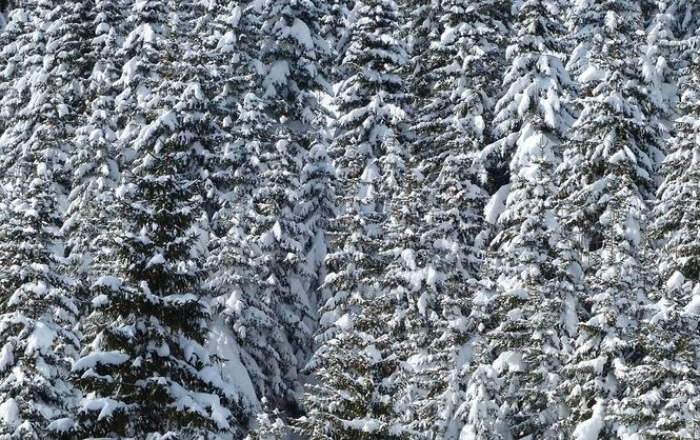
[(662, 60), (23, 48), (530, 311), (42, 41), (144, 371), (662, 397), (235, 263), (460, 69), (229, 48), (358, 373), (675, 212), (609, 172), (269, 182), (456, 66), (435, 235), (245, 286), (285, 92), (250, 347), (458, 59), (537, 86), (93, 163), (38, 311), (335, 31), (530, 276)]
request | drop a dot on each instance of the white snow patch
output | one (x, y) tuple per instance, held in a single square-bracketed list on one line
[(300, 32), (497, 204), (675, 281), (589, 429), (105, 358), (409, 257), (157, 259), (370, 173), (570, 315), (9, 413), (417, 360), (468, 433), (112, 283), (633, 231), (7, 356), (41, 339), (277, 75), (129, 69), (219, 414), (277, 231), (591, 74), (61, 425), (431, 275), (663, 308), (423, 303), (100, 301), (107, 408), (373, 353), (344, 323), (509, 361), (223, 342)]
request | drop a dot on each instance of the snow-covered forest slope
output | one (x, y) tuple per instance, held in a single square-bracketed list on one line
[(349, 219)]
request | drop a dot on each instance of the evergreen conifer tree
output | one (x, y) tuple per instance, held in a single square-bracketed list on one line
[(39, 308), (661, 395), (455, 81), (271, 215), (145, 372), (461, 67), (530, 273), (358, 373), (436, 235), (292, 49), (609, 173), (22, 55), (38, 311), (532, 308), (93, 162)]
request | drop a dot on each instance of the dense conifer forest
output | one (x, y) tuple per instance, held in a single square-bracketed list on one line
[(349, 219)]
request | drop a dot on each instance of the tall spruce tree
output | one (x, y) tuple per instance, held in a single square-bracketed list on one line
[(531, 310), (531, 275), (290, 52), (458, 56), (458, 79), (661, 395), (661, 62), (93, 163), (39, 308), (434, 238), (149, 322), (537, 87), (22, 54), (38, 311), (608, 174), (266, 257), (355, 366), (145, 371)]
